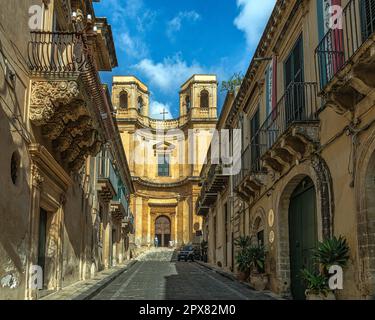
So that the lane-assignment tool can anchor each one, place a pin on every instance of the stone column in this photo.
(152, 229)
(138, 219)
(149, 227)
(186, 222)
(180, 222)
(173, 227)
(145, 214)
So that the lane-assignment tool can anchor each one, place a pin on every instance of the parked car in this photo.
(186, 253)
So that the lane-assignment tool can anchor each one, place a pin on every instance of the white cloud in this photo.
(156, 109)
(132, 7)
(122, 14)
(252, 18)
(146, 20)
(133, 46)
(175, 24)
(169, 74)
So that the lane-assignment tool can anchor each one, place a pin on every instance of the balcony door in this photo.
(294, 78)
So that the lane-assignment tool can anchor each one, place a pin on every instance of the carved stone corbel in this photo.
(47, 95)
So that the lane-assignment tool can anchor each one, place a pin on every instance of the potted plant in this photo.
(332, 251)
(242, 242)
(243, 264)
(258, 277)
(316, 286)
(242, 257)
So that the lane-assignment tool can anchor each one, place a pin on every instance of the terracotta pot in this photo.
(259, 281)
(242, 276)
(320, 296)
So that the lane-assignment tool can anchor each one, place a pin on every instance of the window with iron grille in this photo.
(368, 18)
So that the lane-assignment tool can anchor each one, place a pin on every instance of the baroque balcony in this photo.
(120, 204)
(252, 175)
(216, 180)
(65, 94)
(107, 179)
(345, 57)
(291, 130)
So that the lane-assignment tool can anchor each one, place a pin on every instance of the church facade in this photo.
(165, 157)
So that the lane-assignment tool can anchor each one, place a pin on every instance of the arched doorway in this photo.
(302, 233)
(163, 230)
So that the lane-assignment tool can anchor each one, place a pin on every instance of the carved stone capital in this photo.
(46, 95)
(36, 176)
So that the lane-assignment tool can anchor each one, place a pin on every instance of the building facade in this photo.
(306, 111)
(165, 157)
(64, 180)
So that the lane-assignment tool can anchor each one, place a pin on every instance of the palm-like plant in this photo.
(257, 255)
(242, 242)
(316, 283)
(243, 261)
(332, 251)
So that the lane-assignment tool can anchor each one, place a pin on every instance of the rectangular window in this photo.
(163, 165)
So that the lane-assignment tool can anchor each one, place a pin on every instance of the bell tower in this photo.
(130, 96)
(198, 97)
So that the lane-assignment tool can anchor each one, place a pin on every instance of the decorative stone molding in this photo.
(60, 109)
(44, 162)
(297, 142)
(46, 95)
(325, 191)
(37, 178)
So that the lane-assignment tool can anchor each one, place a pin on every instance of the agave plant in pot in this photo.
(242, 257)
(258, 277)
(243, 264)
(316, 286)
(330, 252)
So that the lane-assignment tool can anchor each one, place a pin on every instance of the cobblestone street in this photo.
(157, 276)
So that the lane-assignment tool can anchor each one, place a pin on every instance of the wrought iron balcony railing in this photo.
(107, 173)
(250, 161)
(297, 105)
(343, 40)
(57, 52)
(121, 198)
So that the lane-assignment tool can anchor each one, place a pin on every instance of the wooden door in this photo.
(302, 234)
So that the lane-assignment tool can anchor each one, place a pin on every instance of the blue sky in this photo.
(164, 42)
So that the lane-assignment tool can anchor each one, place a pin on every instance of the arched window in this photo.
(204, 99)
(187, 102)
(140, 104)
(124, 100)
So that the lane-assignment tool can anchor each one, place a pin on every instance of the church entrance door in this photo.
(163, 231)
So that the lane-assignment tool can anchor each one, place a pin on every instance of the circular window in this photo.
(15, 167)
